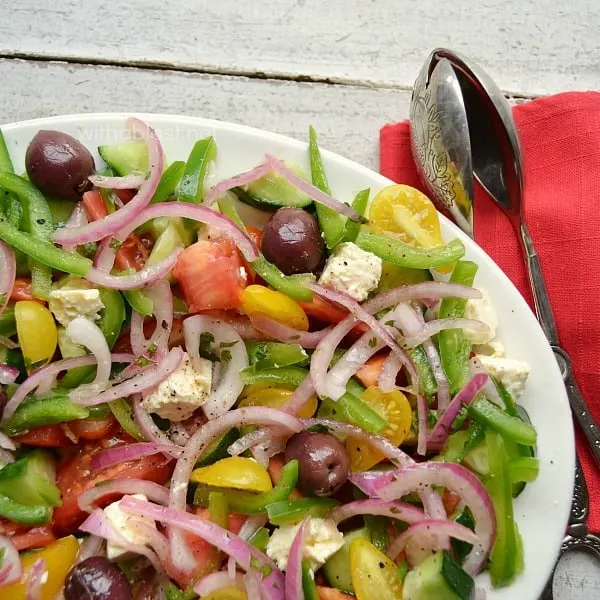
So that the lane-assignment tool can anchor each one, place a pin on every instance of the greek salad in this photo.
(245, 388)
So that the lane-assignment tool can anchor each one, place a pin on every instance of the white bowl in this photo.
(542, 509)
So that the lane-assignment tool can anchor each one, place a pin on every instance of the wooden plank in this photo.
(347, 118)
(528, 46)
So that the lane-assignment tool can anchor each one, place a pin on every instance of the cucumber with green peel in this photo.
(126, 158)
(217, 449)
(337, 568)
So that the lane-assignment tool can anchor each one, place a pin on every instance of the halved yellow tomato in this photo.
(392, 406)
(234, 472)
(374, 575)
(276, 398)
(258, 299)
(37, 333)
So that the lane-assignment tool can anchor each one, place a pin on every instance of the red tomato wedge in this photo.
(45, 436)
(22, 290)
(93, 429)
(75, 476)
(27, 538)
(369, 373)
(211, 275)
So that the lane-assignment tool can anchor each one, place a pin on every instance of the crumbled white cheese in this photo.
(133, 528)
(483, 310)
(322, 540)
(511, 373)
(185, 390)
(68, 304)
(351, 270)
(494, 349)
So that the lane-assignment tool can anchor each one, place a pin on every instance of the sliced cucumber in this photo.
(126, 158)
(438, 577)
(217, 449)
(337, 568)
(272, 192)
(266, 355)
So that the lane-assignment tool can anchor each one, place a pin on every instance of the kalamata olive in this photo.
(323, 462)
(59, 165)
(292, 241)
(3, 400)
(96, 578)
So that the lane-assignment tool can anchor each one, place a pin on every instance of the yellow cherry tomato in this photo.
(234, 472)
(276, 398)
(395, 408)
(37, 333)
(258, 299)
(227, 594)
(374, 575)
(59, 557)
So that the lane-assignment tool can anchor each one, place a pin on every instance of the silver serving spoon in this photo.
(497, 164)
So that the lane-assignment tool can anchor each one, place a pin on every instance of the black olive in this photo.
(96, 578)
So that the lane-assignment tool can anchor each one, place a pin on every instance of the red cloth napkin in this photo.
(560, 138)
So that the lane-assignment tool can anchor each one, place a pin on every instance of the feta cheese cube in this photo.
(351, 270)
(68, 304)
(511, 373)
(133, 528)
(322, 540)
(483, 310)
(493, 348)
(185, 390)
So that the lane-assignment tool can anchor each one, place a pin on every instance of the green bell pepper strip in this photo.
(168, 182)
(45, 411)
(123, 413)
(8, 324)
(350, 409)
(260, 539)
(218, 509)
(14, 211)
(287, 377)
(174, 593)
(246, 503)
(427, 383)
(23, 514)
(139, 301)
(331, 223)
(37, 220)
(377, 527)
(494, 418)
(455, 348)
(194, 172)
(5, 161)
(110, 323)
(504, 559)
(267, 355)
(394, 251)
(309, 587)
(293, 286)
(359, 204)
(42, 251)
(524, 469)
(290, 512)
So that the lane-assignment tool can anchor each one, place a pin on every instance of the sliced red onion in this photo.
(88, 334)
(6, 457)
(8, 272)
(301, 395)
(389, 373)
(203, 214)
(119, 454)
(236, 181)
(51, 370)
(78, 218)
(229, 386)
(258, 436)
(148, 379)
(218, 581)
(464, 397)
(489, 389)
(152, 491)
(422, 423)
(149, 428)
(116, 221)
(240, 323)
(288, 335)
(133, 181)
(138, 340)
(37, 577)
(432, 328)
(8, 343)
(310, 190)
(248, 557)
(104, 258)
(147, 275)
(8, 374)
(99, 524)
(10, 567)
(162, 299)
(458, 479)
(91, 546)
(250, 526)
(251, 415)
(362, 314)
(427, 534)
(6, 442)
(293, 572)
(400, 511)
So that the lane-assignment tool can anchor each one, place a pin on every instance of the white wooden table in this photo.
(344, 66)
